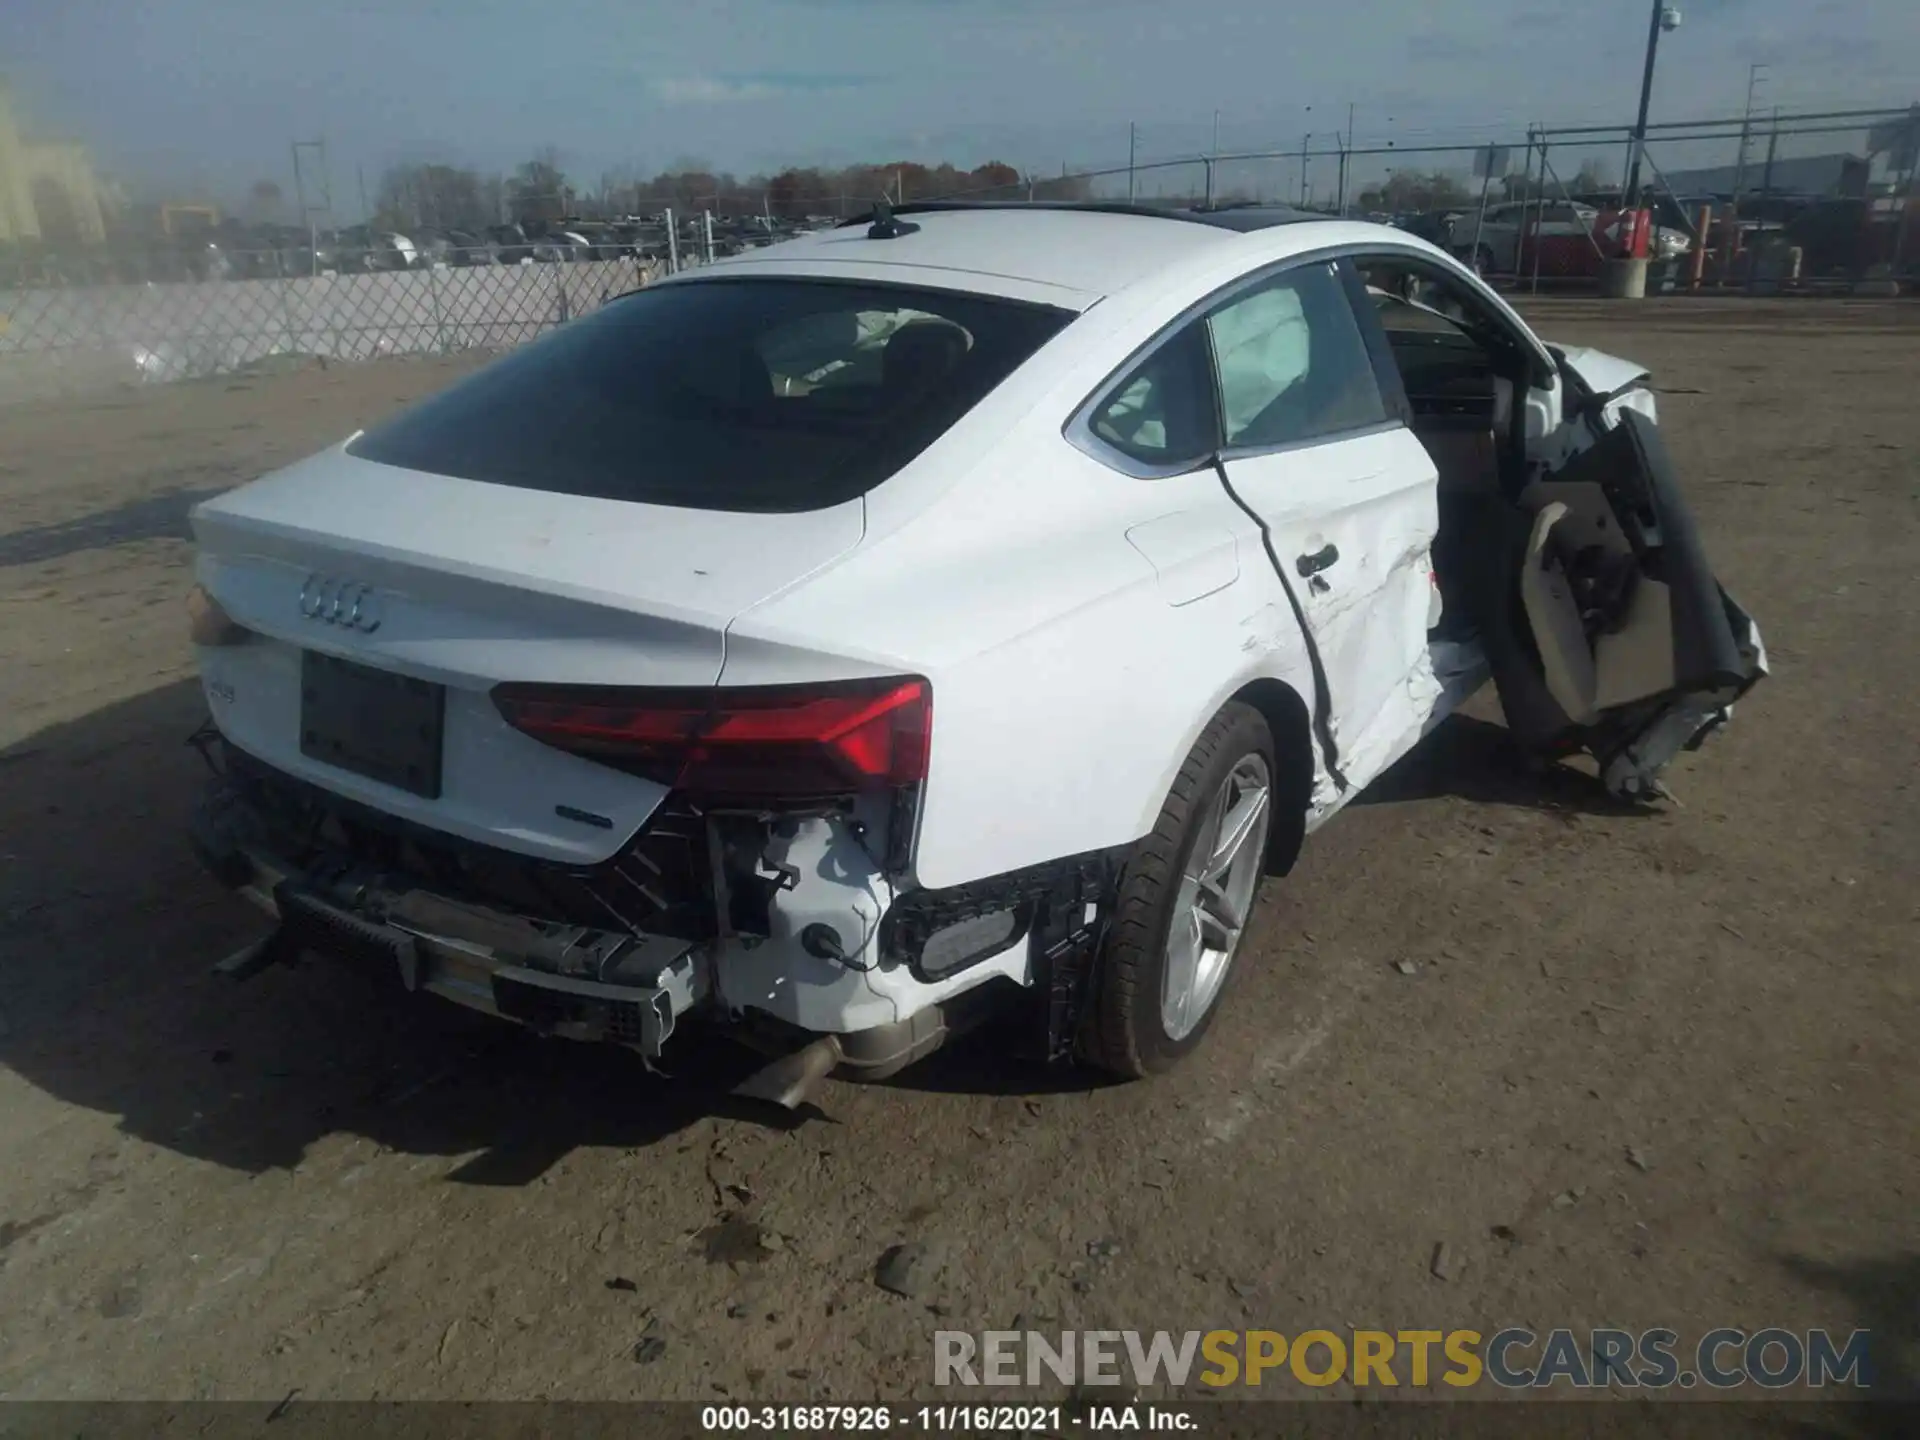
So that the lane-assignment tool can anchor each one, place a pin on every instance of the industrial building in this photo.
(48, 189)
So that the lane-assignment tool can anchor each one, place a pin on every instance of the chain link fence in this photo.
(1807, 201)
(57, 340)
(1812, 202)
(252, 310)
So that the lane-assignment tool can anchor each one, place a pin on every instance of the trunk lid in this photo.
(461, 585)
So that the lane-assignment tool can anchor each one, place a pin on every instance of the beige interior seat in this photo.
(1553, 616)
(1634, 661)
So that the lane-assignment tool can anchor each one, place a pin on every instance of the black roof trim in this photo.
(1248, 215)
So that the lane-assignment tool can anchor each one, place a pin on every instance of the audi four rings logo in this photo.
(340, 602)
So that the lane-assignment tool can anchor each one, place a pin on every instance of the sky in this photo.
(179, 96)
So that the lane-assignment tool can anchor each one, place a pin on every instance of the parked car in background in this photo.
(388, 250)
(558, 245)
(591, 239)
(470, 248)
(1502, 242)
(1491, 243)
(1433, 226)
(511, 246)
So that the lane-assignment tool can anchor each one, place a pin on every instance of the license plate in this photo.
(383, 726)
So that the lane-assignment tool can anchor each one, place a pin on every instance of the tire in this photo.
(1130, 1032)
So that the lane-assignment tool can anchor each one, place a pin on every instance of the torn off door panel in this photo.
(1624, 643)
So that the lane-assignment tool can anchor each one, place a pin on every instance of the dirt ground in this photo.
(219, 1191)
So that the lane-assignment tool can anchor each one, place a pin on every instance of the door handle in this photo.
(1321, 559)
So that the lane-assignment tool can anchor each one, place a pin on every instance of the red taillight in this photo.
(775, 743)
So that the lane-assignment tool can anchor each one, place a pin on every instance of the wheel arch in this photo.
(1289, 723)
(1288, 718)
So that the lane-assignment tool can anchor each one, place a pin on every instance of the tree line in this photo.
(540, 191)
(1417, 190)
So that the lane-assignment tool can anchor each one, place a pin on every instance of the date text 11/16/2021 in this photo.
(941, 1419)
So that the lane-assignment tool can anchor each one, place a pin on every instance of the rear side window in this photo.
(1163, 413)
(756, 394)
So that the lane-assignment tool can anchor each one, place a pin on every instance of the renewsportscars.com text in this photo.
(1512, 1359)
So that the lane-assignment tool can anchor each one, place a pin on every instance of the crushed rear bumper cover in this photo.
(567, 981)
(618, 953)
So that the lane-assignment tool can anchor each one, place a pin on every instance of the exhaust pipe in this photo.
(793, 1080)
(249, 960)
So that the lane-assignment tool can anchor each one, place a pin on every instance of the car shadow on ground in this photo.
(109, 931)
(1002, 1057)
(1885, 1292)
(1475, 759)
(108, 934)
(154, 517)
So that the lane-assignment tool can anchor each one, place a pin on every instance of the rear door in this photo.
(1346, 497)
(1585, 580)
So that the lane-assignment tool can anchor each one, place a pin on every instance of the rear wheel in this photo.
(1184, 902)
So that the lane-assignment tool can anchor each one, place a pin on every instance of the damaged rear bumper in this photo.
(924, 970)
(581, 985)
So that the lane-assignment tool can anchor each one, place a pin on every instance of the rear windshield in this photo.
(752, 394)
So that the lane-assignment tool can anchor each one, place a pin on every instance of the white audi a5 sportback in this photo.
(965, 602)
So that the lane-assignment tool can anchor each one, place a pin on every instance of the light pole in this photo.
(1665, 17)
(1213, 158)
(1754, 77)
(1308, 110)
(1345, 161)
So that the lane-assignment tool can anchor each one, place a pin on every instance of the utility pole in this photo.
(1345, 161)
(1663, 18)
(310, 211)
(1773, 144)
(1766, 186)
(1303, 168)
(1213, 157)
(1540, 212)
(1904, 199)
(1746, 130)
(1132, 138)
